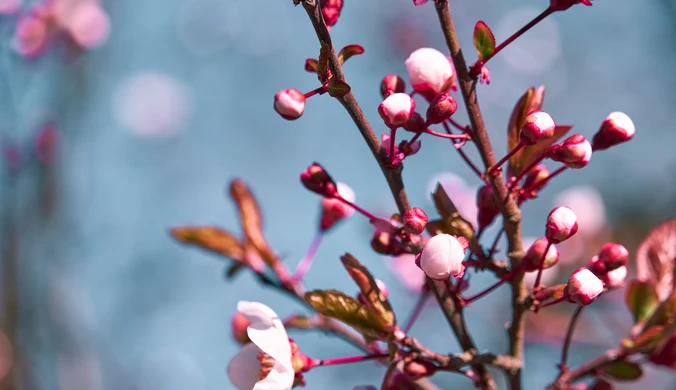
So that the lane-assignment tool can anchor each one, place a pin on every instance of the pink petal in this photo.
(88, 24)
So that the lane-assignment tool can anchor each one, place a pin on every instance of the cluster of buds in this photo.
(610, 264)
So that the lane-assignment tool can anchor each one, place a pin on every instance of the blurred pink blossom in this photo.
(462, 195)
(410, 275)
(31, 34)
(86, 22)
(8, 7)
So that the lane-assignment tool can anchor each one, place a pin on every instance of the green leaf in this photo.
(311, 65)
(649, 337)
(349, 51)
(212, 239)
(323, 62)
(484, 40)
(453, 221)
(641, 299)
(369, 288)
(343, 307)
(622, 371)
(298, 322)
(338, 88)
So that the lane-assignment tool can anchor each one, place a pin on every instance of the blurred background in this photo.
(128, 118)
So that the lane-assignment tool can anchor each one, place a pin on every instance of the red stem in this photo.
(321, 90)
(415, 137)
(554, 302)
(306, 261)
(522, 30)
(359, 209)
(464, 155)
(424, 295)
(542, 264)
(518, 147)
(351, 359)
(448, 136)
(457, 125)
(502, 280)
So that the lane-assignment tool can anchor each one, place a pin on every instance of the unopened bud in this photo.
(331, 11)
(415, 220)
(583, 286)
(531, 260)
(538, 125)
(562, 5)
(390, 84)
(612, 256)
(418, 369)
(408, 148)
(334, 209)
(535, 179)
(487, 205)
(441, 108)
(616, 277)
(388, 244)
(575, 152)
(415, 124)
(317, 180)
(428, 71)
(615, 129)
(442, 257)
(239, 328)
(396, 109)
(561, 225)
(290, 103)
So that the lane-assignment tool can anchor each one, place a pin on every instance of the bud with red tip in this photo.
(334, 210)
(531, 260)
(487, 205)
(583, 286)
(317, 180)
(441, 108)
(561, 225)
(665, 354)
(538, 125)
(331, 11)
(611, 256)
(575, 152)
(615, 129)
(390, 84)
(239, 328)
(415, 124)
(415, 220)
(290, 103)
(442, 257)
(396, 109)
(428, 71)
(562, 5)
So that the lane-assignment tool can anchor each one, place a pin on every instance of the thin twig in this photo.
(569, 338)
(510, 211)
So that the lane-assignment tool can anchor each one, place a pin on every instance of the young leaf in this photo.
(343, 307)
(454, 223)
(212, 239)
(338, 88)
(665, 312)
(530, 101)
(655, 259)
(251, 220)
(349, 51)
(641, 299)
(298, 322)
(323, 62)
(368, 287)
(484, 40)
(622, 371)
(311, 65)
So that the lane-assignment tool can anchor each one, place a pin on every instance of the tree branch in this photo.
(509, 210)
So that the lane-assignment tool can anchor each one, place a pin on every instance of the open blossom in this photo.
(334, 210)
(538, 125)
(290, 103)
(442, 257)
(428, 71)
(615, 129)
(396, 109)
(265, 363)
(561, 224)
(583, 286)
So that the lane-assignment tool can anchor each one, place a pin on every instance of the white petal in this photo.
(267, 331)
(280, 378)
(244, 368)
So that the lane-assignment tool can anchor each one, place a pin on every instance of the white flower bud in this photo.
(396, 109)
(442, 257)
(428, 70)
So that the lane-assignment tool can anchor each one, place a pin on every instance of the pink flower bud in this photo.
(387, 244)
(531, 260)
(290, 103)
(334, 210)
(561, 225)
(615, 129)
(317, 180)
(575, 152)
(331, 11)
(415, 124)
(239, 328)
(535, 180)
(428, 71)
(418, 369)
(415, 220)
(487, 205)
(612, 256)
(31, 34)
(616, 277)
(583, 286)
(441, 108)
(562, 5)
(442, 257)
(665, 354)
(396, 109)
(538, 125)
(418, 3)
(390, 84)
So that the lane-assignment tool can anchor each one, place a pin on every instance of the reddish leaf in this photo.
(311, 65)
(484, 40)
(338, 88)
(212, 239)
(349, 51)
(655, 259)
(526, 156)
(530, 101)
(323, 62)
